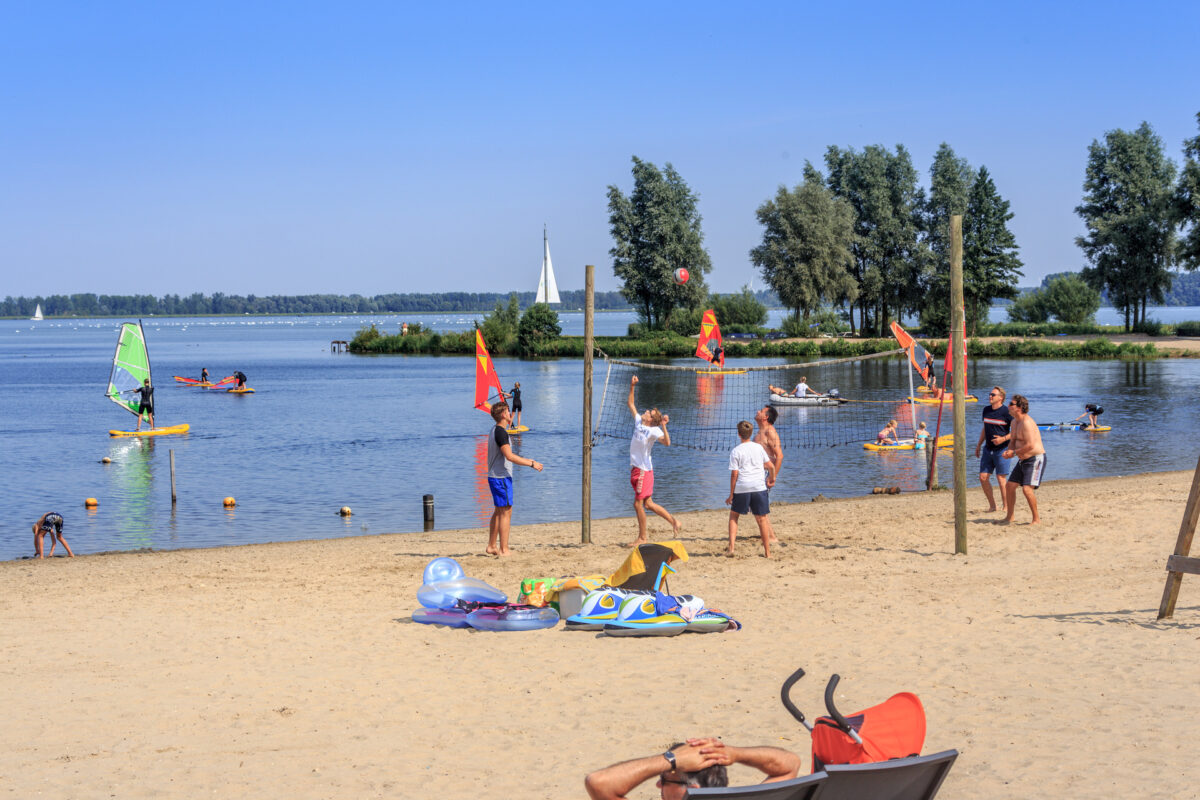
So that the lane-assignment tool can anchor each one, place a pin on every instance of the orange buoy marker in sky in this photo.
(229, 502)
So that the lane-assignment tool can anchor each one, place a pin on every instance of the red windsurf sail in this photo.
(485, 374)
(948, 365)
(917, 354)
(710, 346)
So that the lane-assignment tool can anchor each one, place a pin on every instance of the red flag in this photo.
(948, 366)
(710, 346)
(485, 374)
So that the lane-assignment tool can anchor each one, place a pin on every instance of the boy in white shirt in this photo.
(748, 467)
(649, 426)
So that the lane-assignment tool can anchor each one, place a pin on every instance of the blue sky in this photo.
(371, 147)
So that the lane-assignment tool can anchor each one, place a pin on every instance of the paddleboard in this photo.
(243, 390)
(518, 429)
(153, 431)
(924, 389)
(1097, 429)
(908, 444)
(1060, 426)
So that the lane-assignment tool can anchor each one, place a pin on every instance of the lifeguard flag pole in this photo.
(959, 345)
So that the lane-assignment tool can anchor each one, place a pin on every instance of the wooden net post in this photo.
(1179, 562)
(958, 337)
(589, 310)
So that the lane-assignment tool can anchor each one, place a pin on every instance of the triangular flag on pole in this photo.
(948, 365)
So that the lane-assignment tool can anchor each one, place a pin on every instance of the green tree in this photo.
(656, 230)
(890, 256)
(539, 323)
(742, 308)
(500, 327)
(805, 255)
(1187, 203)
(1029, 307)
(1068, 298)
(950, 182)
(991, 267)
(1130, 211)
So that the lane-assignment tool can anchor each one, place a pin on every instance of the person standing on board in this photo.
(931, 376)
(993, 438)
(768, 437)
(146, 404)
(499, 478)
(241, 379)
(649, 426)
(1026, 446)
(515, 394)
(750, 469)
(204, 374)
(52, 524)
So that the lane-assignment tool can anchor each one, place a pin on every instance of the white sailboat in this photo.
(547, 291)
(37, 313)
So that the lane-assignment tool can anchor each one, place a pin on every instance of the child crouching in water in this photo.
(888, 434)
(748, 467)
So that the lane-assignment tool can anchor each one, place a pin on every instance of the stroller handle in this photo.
(787, 700)
(836, 715)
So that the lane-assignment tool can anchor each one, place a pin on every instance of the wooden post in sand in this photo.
(172, 452)
(589, 310)
(957, 337)
(1179, 563)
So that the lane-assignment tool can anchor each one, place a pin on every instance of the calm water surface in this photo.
(377, 433)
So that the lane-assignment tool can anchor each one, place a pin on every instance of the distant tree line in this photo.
(105, 305)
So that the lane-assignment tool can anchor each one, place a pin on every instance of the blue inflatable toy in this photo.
(450, 617)
(512, 619)
(446, 594)
(442, 569)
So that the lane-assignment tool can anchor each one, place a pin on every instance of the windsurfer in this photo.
(241, 379)
(146, 404)
(499, 478)
(649, 426)
(515, 394)
(204, 374)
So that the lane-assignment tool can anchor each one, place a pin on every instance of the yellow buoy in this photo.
(229, 502)
(91, 502)
(106, 460)
(345, 512)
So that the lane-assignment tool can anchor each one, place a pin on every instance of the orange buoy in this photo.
(345, 512)
(91, 502)
(106, 460)
(229, 502)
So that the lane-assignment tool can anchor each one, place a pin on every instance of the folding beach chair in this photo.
(914, 778)
(805, 788)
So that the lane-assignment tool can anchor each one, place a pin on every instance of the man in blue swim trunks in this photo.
(993, 439)
(696, 764)
(499, 478)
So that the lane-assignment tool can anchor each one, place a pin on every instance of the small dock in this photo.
(338, 346)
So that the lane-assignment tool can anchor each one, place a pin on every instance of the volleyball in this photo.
(681, 276)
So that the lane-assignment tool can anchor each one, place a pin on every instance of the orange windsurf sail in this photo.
(948, 366)
(710, 347)
(917, 354)
(485, 374)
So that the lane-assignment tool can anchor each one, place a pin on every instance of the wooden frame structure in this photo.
(1180, 562)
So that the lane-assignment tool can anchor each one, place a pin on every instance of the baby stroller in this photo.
(893, 729)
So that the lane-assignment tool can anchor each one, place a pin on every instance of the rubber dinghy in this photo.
(807, 400)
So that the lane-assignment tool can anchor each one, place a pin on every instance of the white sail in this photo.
(547, 291)
(37, 312)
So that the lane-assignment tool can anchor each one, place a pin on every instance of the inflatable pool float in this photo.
(512, 619)
(450, 617)
(908, 444)
(667, 625)
(933, 401)
(446, 594)
(654, 615)
(599, 606)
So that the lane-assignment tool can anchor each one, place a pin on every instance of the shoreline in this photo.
(294, 669)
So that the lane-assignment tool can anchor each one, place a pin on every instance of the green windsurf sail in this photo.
(131, 366)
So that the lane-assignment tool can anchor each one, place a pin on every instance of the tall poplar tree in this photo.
(656, 230)
(1130, 210)
(1187, 204)
(950, 181)
(889, 254)
(805, 255)
(991, 267)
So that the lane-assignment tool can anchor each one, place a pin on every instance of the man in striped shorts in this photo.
(1026, 445)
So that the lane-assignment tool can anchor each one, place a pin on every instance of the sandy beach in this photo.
(293, 670)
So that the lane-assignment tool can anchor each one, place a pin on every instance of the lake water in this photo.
(377, 433)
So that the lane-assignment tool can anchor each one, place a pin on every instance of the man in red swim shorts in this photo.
(649, 426)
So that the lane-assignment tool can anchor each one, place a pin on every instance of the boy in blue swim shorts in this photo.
(748, 468)
(499, 478)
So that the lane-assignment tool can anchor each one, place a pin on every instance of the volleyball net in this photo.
(704, 404)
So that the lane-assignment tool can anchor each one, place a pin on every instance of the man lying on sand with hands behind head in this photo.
(700, 763)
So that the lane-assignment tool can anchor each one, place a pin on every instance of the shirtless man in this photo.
(49, 524)
(802, 389)
(1026, 445)
(768, 437)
